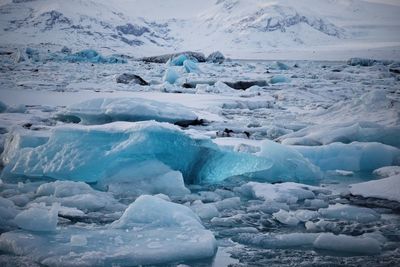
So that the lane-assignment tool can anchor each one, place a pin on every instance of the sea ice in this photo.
(351, 213)
(386, 188)
(352, 245)
(105, 110)
(38, 218)
(151, 231)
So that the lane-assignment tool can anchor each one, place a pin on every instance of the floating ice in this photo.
(345, 133)
(352, 213)
(286, 217)
(386, 188)
(8, 211)
(3, 107)
(151, 231)
(96, 153)
(171, 75)
(348, 244)
(355, 156)
(279, 79)
(204, 211)
(292, 240)
(387, 171)
(38, 218)
(284, 192)
(105, 110)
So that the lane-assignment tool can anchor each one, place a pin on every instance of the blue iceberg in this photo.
(118, 150)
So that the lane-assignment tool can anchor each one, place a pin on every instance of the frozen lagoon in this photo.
(254, 223)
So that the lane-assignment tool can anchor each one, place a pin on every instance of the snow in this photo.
(105, 110)
(386, 188)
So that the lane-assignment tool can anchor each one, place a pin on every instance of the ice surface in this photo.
(356, 156)
(347, 212)
(204, 211)
(282, 241)
(386, 188)
(286, 217)
(345, 133)
(348, 244)
(38, 218)
(95, 153)
(105, 110)
(150, 226)
(92, 56)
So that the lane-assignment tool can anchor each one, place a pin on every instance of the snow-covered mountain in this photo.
(239, 28)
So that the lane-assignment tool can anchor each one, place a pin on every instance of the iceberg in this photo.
(38, 218)
(215, 57)
(150, 226)
(96, 153)
(356, 156)
(178, 60)
(350, 213)
(105, 110)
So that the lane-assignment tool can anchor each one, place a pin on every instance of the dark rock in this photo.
(190, 123)
(164, 58)
(131, 29)
(397, 71)
(128, 78)
(216, 57)
(243, 85)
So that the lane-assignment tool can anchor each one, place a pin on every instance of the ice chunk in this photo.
(228, 203)
(148, 177)
(386, 188)
(171, 75)
(348, 244)
(129, 78)
(95, 153)
(345, 133)
(284, 192)
(387, 171)
(151, 231)
(288, 164)
(281, 66)
(306, 215)
(105, 110)
(76, 195)
(8, 211)
(204, 211)
(38, 218)
(351, 213)
(190, 66)
(279, 79)
(286, 217)
(282, 241)
(351, 157)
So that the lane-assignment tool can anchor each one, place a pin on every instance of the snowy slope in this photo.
(336, 29)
